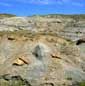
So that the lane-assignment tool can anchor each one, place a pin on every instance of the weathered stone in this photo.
(42, 51)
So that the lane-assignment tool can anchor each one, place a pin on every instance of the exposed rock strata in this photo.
(42, 51)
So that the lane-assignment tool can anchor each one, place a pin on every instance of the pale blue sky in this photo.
(36, 7)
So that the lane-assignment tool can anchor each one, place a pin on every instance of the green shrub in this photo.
(69, 78)
(82, 83)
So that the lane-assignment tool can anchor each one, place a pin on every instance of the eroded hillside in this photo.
(42, 51)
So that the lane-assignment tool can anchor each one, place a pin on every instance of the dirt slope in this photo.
(42, 51)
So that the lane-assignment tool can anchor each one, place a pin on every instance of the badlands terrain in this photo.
(41, 50)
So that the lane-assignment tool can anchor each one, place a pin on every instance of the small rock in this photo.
(20, 61)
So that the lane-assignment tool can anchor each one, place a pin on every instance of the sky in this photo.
(42, 7)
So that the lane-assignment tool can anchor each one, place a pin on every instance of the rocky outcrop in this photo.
(41, 51)
(70, 27)
(39, 61)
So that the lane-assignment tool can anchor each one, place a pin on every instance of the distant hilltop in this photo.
(81, 16)
(68, 26)
(6, 15)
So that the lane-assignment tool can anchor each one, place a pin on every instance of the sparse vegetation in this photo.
(78, 32)
(6, 15)
(82, 83)
(69, 78)
(74, 16)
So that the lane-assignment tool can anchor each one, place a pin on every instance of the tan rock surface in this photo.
(42, 51)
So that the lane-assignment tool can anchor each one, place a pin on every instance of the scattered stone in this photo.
(40, 51)
(56, 56)
(47, 84)
(20, 62)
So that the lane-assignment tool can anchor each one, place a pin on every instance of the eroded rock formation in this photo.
(41, 51)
